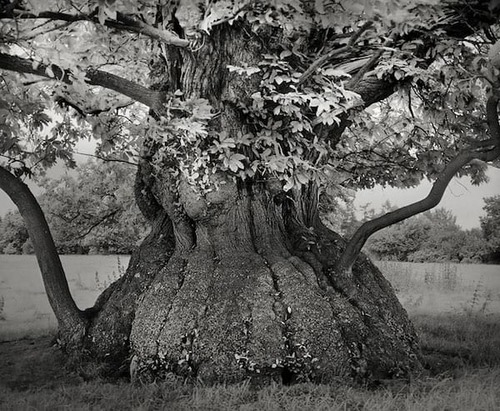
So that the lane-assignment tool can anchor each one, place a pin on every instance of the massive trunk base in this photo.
(245, 301)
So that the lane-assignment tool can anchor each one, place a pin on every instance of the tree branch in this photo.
(123, 22)
(487, 150)
(95, 224)
(136, 92)
(369, 64)
(108, 159)
(66, 103)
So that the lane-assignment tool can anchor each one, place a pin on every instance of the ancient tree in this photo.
(240, 114)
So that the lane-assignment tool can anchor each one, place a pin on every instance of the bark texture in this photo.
(251, 298)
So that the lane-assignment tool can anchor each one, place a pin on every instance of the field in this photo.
(455, 308)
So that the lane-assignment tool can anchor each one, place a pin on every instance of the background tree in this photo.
(94, 210)
(490, 225)
(13, 234)
(433, 236)
(253, 107)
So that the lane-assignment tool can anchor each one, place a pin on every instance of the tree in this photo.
(490, 225)
(432, 236)
(13, 234)
(473, 248)
(94, 210)
(91, 209)
(444, 240)
(253, 107)
(401, 241)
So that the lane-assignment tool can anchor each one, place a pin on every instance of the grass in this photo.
(460, 354)
(473, 390)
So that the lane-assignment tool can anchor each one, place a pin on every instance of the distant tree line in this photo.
(433, 236)
(89, 211)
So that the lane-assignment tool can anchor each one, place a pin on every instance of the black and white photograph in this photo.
(250, 205)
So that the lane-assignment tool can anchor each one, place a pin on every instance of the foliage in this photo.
(13, 234)
(89, 210)
(95, 210)
(431, 236)
(293, 111)
(490, 224)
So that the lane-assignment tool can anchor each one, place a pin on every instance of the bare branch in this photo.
(108, 159)
(96, 224)
(369, 64)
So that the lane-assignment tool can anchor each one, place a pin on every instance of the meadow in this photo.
(455, 309)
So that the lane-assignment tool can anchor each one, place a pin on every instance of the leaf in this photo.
(49, 72)
(335, 73)
(234, 162)
(284, 54)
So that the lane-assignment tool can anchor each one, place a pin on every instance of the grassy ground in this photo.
(461, 356)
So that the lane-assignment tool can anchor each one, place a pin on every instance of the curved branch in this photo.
(486, 151)
(71, 320)
(136, 92)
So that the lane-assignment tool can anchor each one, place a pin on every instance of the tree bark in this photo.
(71, 320)
(249, 298)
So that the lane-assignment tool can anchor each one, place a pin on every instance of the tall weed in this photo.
(110, 278)
(2, 307)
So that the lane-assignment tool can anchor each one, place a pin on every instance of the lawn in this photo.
(455, 310)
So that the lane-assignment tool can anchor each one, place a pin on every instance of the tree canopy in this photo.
(431, 55)
(94, 211)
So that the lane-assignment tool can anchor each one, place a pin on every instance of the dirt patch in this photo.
(34, 363)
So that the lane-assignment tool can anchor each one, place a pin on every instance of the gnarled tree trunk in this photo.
(240, 281)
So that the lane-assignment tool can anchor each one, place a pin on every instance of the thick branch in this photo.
(141, 94)
(122, 22)
(72, 323)
(486, 151)
(362, 234)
